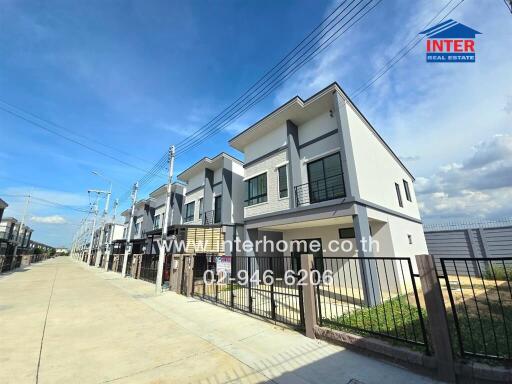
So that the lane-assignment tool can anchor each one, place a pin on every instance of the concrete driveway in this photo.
(64, 322)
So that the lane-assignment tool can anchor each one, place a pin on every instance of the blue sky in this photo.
(138, 76)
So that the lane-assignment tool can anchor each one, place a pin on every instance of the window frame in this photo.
(407, 190)
(157, 221)
(201, 208)
(279, 190)
(260, 198)
(217, 213)
(189, 218)
(399, 195)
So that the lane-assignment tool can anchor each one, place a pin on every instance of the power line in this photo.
(313, 44)
(45, 201)
(52, 123)
(35, 123)
(309, 54)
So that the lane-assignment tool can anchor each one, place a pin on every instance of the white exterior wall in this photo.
(265, 144)
(273, 203)
(317, 126)
(217, 175)
(377, 170)
(238, 192)
(326, 234)
(195, 181)
(190, 198)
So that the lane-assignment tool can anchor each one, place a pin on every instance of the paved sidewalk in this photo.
(64, 322)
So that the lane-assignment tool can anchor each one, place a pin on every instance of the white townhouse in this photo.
(155, 220)
(214, 194)
(316, 169)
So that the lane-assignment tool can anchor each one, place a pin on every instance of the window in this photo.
(399, 195)
(137, 228)
(201, 208)
(217, 215)
(347, 233)
(257, 189)
(409, 238)
(189, 211)
(156, 225)
(407, 191)
(325, 179)
(283, 181)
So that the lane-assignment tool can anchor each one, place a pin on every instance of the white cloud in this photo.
(55, 219)
(480, 186)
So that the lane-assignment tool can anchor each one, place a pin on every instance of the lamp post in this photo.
(104, 218)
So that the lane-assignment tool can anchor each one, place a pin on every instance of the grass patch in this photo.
(503, 273)
(486, 332)
(397, 318)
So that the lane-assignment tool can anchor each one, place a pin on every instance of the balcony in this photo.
(315, 191)
(211, 217)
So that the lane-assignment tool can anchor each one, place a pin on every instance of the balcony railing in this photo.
(211, 217)
(315, 191)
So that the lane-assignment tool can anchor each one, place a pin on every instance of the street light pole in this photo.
(129, 231)
(111, 235)
(161, 254)
(102, 230)
(93, 227)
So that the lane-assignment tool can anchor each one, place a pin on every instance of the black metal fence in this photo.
(148, 268)
(478, 298)
(371, 296)
(119, 267)
(265, 286)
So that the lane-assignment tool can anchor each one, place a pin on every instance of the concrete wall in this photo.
(470, 243)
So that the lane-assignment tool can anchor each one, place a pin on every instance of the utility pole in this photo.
(127, 247)
(161, 254)
(20, 228)
(102, 230)
(95, 207)
(111, 235)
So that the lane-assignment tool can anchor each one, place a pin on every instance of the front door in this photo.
(317, 254)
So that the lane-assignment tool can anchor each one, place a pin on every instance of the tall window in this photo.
(157, 222)
(217, 209)
(257, 189)
(283, 181)
(201, 208)
(189, 211)
(407, 191)
(399, 195)
(326, 179)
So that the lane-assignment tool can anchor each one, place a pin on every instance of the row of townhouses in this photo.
(312, 169)
(16, 245)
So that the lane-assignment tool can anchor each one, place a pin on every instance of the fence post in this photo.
(437, 319)
(189, 266)
(308, 295)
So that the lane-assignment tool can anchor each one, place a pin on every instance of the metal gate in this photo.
(478, 303)
(257, 285)
(120, 264)
(148, 268)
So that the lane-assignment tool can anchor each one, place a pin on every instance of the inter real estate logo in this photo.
(450, 42)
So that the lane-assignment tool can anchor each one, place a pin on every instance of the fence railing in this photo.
(319, 190)
(478, 297)
(371, 296)
(256, 285)
(148, 267)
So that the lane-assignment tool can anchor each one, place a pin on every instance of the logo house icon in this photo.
(450, 42)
